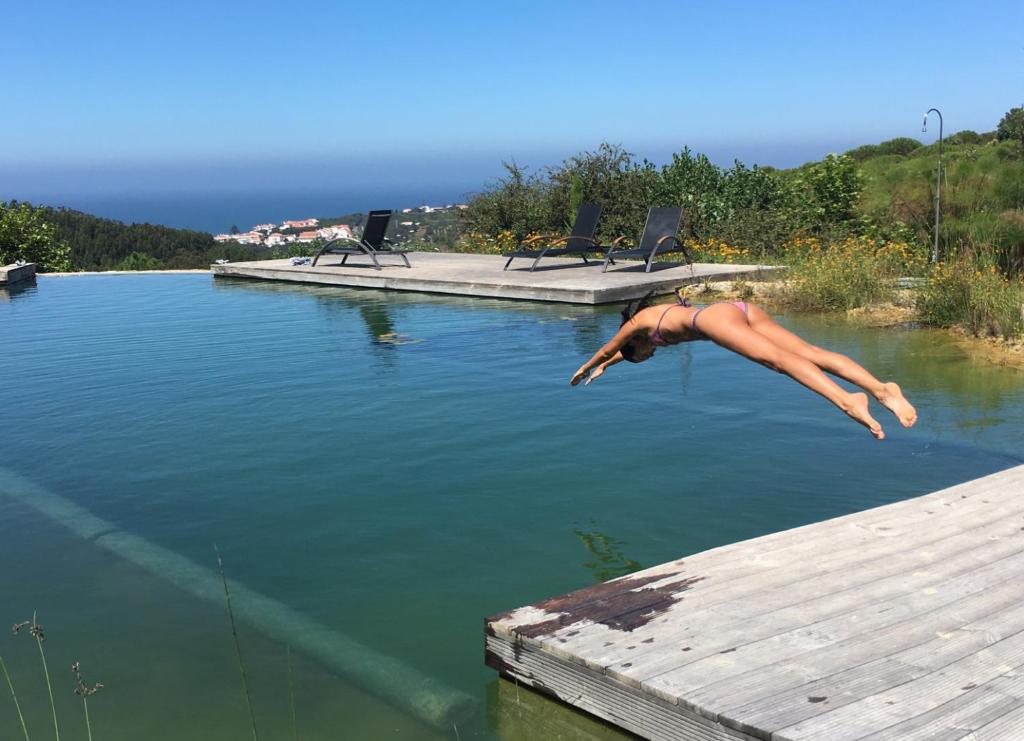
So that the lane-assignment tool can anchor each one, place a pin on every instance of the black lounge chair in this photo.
(659, 237)
(372, 243)
(580, 242)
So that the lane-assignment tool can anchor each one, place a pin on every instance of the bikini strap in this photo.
(657, 328)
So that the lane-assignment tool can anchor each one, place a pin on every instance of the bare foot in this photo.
(858, 409)
(892, 398)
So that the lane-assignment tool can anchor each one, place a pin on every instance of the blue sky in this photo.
(192, 95)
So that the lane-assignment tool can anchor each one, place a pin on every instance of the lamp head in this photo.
(924, 123)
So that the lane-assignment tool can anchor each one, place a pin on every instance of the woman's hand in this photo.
(594, 374)
(578, 376)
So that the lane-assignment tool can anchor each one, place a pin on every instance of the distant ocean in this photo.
(217, 212)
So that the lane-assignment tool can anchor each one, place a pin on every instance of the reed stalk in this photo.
(14, 696)
(238, 646)
(291, 693)
(88, 725)
(37, 633)
(83, 690)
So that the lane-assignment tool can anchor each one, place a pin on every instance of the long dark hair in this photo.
(628, 312)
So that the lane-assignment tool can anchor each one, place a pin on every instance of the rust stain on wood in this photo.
(623, 604)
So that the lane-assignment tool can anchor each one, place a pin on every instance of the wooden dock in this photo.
(901, 622)
(556, 279)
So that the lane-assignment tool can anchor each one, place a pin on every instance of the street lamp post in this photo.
(938, 180)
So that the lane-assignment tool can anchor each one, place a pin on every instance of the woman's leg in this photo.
(888, 394)
(726, 325)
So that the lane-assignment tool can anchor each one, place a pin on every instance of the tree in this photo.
(902, 145)
(235, 229)
(1011, 127)
(835, 184)
(139, 261)
(515, 204)
(26, 235)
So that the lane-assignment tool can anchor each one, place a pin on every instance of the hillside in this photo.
(982, 195)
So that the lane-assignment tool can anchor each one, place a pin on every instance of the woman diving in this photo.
(748, 331)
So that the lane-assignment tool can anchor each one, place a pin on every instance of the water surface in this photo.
(398, 466)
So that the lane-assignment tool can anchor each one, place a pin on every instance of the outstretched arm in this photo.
(599, 370)
(609, 354)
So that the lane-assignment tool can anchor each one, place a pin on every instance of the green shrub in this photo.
(972, 293)
(26, 235)
(139, 261)
(853, 272)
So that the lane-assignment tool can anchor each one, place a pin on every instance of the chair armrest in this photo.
(617, 240)
(536, 238)
(666, 238)
(343, 239)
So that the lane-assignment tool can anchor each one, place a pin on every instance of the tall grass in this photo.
(83, 690)
(970, 291)
(849, 273)
(14, 696)
(36, 631)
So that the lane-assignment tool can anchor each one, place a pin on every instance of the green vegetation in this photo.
(26, 234)
(740, 204)
(105, 244)
(1011, 127)
(848, 226)
(850, 273)
(869, 214)
(972, 292)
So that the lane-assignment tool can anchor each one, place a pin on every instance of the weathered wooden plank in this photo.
(955, 720)
(782, 708)
(900, 622)
(1008, 728)
(757, 572)
(975, 598)
(850, 615)
(904, 701)
(786, 607)
(636, 712)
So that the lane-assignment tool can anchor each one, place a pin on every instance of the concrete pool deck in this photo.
(12, 274)
(899, 623)
(556, 279)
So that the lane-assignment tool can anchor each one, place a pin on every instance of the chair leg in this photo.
(650, 259)
(406, 260)
(607, 259)
(344, 259)
(509, 262)
(542, 253)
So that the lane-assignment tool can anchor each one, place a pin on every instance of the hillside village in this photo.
(310, 230)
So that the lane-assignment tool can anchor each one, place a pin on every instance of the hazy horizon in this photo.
(119, 101)
(216, 194)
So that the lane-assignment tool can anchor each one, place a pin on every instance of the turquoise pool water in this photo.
(395, 467)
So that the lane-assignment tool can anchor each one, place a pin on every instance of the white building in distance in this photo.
(300, 224)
